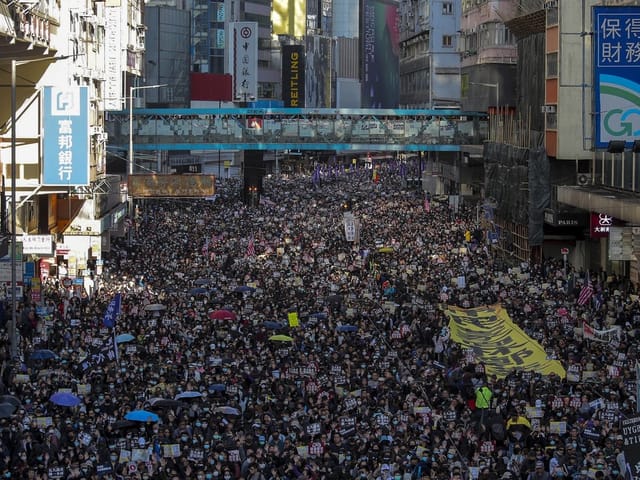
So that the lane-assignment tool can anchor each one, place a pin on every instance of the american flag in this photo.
(586, 293)
(251, 248)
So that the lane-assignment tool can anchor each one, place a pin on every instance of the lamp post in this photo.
(130, 154)
(13, 334)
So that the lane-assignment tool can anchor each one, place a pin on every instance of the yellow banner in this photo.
(497, 342)
(294, 321)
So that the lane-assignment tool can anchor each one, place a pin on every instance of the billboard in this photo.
(66, 154)
(319, 65)
(380, 54)
(288, 17)
(293, 77)
(154, 185)
(616, 74)
(244, 36)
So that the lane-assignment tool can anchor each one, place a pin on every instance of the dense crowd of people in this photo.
(257, 343)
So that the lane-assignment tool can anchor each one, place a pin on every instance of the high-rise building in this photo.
(429, 53)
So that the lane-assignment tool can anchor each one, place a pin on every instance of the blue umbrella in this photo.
(141, 416)
(203, 281)
(198, 291)
(65, 399)
(272, 325)
(124, 338)
(319, 315)
(217, 387)
(244, 289)
(347, 328)
(43, 355)
(228, 410)
(187, 394)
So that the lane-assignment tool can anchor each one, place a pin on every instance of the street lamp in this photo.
(14, 282)
(131, 160)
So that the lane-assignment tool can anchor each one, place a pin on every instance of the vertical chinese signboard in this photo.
(616, 74)
(66, 136)
(245, 59)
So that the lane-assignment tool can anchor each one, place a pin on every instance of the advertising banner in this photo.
(380, 54)
(153, 185)
(293, 78)
(616, 69)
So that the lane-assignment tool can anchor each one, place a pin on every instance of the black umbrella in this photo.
(164, 403)
(120, 424)
(7, 409)
(13, 400)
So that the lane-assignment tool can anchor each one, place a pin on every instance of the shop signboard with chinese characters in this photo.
(601, 224)
(66, 136)
(37, 245)
(616, 66)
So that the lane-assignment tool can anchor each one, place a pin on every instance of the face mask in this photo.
(184, 438)
(227, 476)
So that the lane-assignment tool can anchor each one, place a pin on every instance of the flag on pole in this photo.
(587, 292)
(113, 310)
(251, 248)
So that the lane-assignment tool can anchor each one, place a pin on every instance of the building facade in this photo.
(430, 59)
(73, 59)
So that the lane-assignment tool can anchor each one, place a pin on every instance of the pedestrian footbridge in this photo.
(295, 129)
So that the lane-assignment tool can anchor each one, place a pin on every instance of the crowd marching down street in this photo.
(255, 342)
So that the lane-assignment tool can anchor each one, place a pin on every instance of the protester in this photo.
(260, 344)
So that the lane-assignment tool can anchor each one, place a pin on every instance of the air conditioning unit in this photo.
(548, 109)
(104, 136)
(549, 4)
(95, 130)
(583, 179)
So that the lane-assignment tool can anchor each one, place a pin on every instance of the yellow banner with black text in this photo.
(497, 342)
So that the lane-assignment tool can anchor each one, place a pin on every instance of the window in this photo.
(447, 8)
(552, 16)
(552, 65)
(552, 121)
(447, 41)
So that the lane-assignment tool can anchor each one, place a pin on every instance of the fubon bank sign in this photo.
(616, 75)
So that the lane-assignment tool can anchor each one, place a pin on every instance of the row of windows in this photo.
(488, 35)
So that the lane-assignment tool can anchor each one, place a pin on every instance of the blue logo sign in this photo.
(616, 74)
(66, 136)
